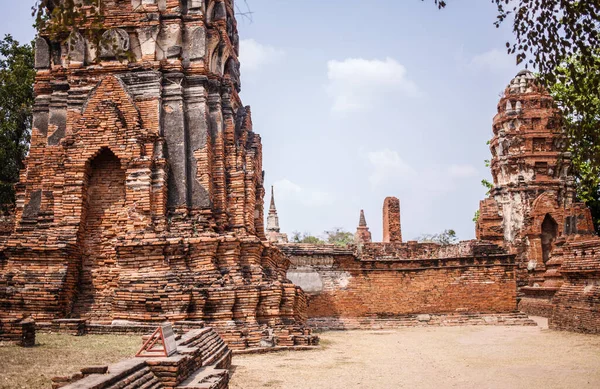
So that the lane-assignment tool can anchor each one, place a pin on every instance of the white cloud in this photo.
(387, 165)
(493, 60)
(287, 190)
(254, 55)
(462, 171)
(356, 83)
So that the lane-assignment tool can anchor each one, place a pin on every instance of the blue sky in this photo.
(357, 100)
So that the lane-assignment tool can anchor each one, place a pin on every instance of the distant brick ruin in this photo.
(536, 246)
(142, 195)
(391, 283)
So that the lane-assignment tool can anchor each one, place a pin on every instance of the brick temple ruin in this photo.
(142, 202)
(142, 196)
(536, 248)
(395, 283)
(532, 211)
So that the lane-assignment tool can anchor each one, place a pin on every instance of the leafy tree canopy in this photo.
(16, 101)
(336, 236)
(444, 238)
(305, 237)
(339, 237)
(581, 105)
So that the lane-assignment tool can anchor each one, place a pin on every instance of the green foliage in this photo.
(487, 185)
(446, 237)
(16, 101)
(60, 20)
(339, 237)
(305, 237)
(476, 216)
(580, 104)
(336, 236)
(561, 40)
(549, 32)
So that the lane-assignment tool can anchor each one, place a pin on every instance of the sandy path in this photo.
(445, 357)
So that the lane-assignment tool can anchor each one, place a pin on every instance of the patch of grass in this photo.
(60, 355)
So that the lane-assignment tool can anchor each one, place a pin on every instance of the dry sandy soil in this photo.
(56, 355)
(445, 357)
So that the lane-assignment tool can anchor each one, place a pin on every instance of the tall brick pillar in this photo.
(392, 232)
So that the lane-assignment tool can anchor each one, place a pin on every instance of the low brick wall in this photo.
(577, 302)
(341, 283)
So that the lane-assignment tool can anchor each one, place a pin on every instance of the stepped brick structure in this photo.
(273, 231)
(202, 361)
(387, 284)
(532, 211)
(142, 196)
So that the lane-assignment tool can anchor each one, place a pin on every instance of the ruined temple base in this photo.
(275, 338)
(423, 320)
(202, 361)
(537, 301)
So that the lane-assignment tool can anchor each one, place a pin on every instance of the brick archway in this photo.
(103, 220)
(548, 236)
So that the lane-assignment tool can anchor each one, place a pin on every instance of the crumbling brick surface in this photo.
(531, 211)
(532, 178)
(392, 232)
(577, 301)
(142, 194)
(202, 360)
(390, 280)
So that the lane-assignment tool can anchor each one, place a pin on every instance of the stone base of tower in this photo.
(236, 286)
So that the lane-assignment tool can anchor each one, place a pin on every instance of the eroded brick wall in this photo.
(576, 304)
(389, 280)
(105, 217)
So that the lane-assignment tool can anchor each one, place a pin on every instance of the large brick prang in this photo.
(142, 195)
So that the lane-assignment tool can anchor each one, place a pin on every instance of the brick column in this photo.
(392, 232)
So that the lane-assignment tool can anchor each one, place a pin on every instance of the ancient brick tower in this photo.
(362, 234)
(142, 196)
(531, 201)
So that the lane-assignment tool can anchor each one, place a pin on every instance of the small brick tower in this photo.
(362, 235)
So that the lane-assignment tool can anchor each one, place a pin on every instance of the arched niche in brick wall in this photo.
(549, 234)
(104, 218)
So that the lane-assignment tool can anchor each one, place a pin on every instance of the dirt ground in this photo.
(56, 355)
(436, 357)
(444, 357)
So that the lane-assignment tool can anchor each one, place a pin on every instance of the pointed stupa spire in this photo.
(272, 219)
(272, 207)
(273, 230)
(362, 234)
(362, 221)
